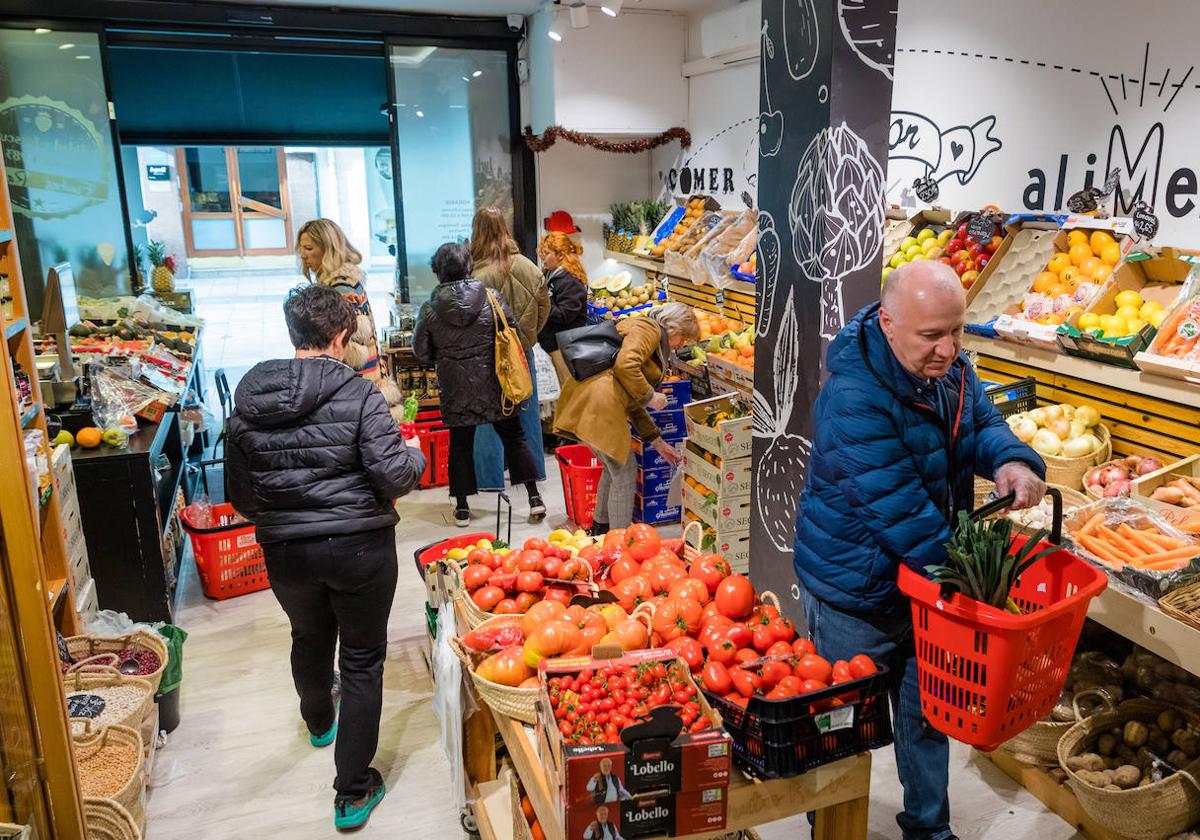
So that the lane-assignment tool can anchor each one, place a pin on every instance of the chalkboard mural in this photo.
(826, 90)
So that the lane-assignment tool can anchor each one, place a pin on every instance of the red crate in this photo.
(581, 478)
(228, 557)
(435, 443)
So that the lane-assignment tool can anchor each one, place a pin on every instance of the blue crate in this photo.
(678, 393)
(654, 482)
(647, 458)
(655, 511)
(671, 424)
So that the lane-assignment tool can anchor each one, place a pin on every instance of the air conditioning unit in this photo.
(732, 32)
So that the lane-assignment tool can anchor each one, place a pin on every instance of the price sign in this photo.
(85, 706)
(720, 296)
(927, 189)
(1083, 201)
(839, 718)
(1145, 222)
(981, 228)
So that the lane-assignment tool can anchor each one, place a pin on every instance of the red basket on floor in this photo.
(228, 557)
(437, 551)
(435, 443)
(580, 469)
(988, 674)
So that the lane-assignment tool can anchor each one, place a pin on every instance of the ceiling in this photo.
(493, 8)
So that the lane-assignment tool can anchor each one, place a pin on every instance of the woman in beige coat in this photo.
(598, 410)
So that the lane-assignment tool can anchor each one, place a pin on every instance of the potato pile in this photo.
(694, 209)
(1138, 753)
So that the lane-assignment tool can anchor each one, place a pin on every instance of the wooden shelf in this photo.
(1058, 798)
(1159, 387)
(1146, 625)
(644, 263)
(30, 415)
(14, 329)
(55, 590)
(44, 498)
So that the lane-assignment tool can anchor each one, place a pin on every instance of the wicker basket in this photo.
(1069, 472)
(517, 703)
(1038, 745)
(1092, 494)
(1142, 813)
(689, 553)
(85, 647)
(106, 820)
(89, 744)
(81, 681)
(476, 616)
(1183, 604)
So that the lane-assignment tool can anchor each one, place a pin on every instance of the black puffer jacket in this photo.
(457, 334)
(312, 451)
(568, 307)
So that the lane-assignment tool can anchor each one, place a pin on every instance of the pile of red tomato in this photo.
(509, 584)
(594, 706)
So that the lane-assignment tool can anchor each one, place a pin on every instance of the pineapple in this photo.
(162, 279)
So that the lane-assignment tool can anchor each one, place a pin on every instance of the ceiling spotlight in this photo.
(476, 74)
(579, 15)
(82, 57)
(465, 79)
(612, 8)
(420, 113)
(41, 30)
(554, 35)
(66, 46)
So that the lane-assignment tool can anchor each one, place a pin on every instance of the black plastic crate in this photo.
(778, 738)
(1014, 397)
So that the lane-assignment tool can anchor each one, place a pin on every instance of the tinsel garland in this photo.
(543, 141)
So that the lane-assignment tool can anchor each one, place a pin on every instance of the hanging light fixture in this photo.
(612, 8)
(579, 13)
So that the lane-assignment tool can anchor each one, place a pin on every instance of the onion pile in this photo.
(1064, 430)
(1116, 477)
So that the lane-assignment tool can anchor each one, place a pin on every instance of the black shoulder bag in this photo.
(589, 350)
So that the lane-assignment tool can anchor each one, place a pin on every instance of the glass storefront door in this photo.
(453, 131)
(234, 200)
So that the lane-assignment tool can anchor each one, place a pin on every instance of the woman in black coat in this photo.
(456, 333)
(567, 282)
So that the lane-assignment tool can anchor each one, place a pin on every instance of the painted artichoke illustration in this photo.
(836, 211)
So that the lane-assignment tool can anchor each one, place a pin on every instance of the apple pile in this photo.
(968, 257)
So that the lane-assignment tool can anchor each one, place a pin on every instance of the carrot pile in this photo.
(1148, 549)
(1170, 342)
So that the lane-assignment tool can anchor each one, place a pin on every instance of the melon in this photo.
(599, 284)
(620, 281)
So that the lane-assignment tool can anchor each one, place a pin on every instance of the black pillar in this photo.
(826, 92)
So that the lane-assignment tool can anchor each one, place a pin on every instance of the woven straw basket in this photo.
(1069, 472)
(106, 820)
(80, 681)
(85, 647)
(517, 703)
(1183, 604)
(1142, 813)
(476, 616)
(1038, 745)
(1071, 497)
(129, 796)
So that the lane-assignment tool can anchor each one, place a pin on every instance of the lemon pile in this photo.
(1132, 313)
(926, 245)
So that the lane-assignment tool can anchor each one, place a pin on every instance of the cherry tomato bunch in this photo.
(595, 705)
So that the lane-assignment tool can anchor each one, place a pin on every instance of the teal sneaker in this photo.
(326, 739)
(351, 814)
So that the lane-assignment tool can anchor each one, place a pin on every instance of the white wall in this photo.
(1071, 91)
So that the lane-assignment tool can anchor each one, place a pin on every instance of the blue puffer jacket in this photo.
(883, 485)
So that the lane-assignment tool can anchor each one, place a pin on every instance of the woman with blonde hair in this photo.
(500, 266)
(328, 258)
(567, 282)
(598, 410)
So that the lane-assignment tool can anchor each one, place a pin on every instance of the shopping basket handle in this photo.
(1005, 501)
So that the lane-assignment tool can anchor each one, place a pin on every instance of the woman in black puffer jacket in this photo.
(315, 460)
(456, 333)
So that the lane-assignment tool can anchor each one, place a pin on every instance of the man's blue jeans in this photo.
(489, 452)
(922, 753)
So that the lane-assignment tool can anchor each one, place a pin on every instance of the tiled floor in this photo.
(243, 315)
(239, 767)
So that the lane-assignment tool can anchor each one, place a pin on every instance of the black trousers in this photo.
(521, 466)
(333, 587)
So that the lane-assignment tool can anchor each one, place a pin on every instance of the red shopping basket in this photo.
(435, 443)
(228, 557)
(987, 674)
(580, 471)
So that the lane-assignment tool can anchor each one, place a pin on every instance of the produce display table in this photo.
(839, 792)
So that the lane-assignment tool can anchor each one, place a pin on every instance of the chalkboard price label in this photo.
(1083, 201)
(85, 706)
(981, 228)
(1145, 222)
(927, 189)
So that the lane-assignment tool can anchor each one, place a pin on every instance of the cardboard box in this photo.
(740, 377)
(654, 482)
(730, 440)
(655, 814)
(723, 516)
(729, 479)
(1157, 277)
(1028, 246)
(1186, 367)
(1144, 486)
(670, 424)
(734, 546)
(654, 510)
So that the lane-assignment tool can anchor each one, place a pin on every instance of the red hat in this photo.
(560, 221)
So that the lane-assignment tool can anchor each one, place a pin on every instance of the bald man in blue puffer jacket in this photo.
(902, 427)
